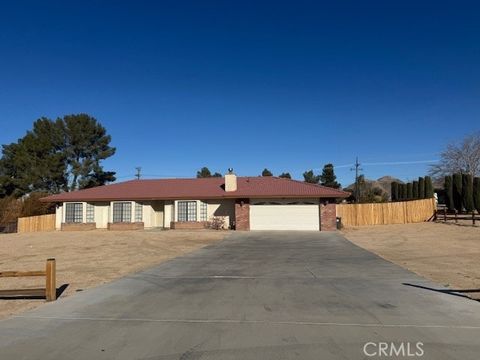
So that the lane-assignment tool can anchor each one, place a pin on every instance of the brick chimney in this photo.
(230, 181)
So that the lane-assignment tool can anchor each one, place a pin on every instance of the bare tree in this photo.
(461, 157)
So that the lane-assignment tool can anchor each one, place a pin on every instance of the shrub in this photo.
(415, 189)
(457, 192)
(467, 192)
(476, 193)
(409, 191)
(428, 187)
(421, 188)
(448, 186)
(217, 223)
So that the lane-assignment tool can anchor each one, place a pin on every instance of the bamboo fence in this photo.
(402, 212)
(36, 223)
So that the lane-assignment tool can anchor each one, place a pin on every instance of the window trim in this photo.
(138, 212)
(190, 211)
(123, 218)
(89, 213)
(75, 212)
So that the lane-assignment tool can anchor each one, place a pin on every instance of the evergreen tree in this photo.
(409, 191)
(415, 189)
(448, 187)
(55, 156)
(394, 190)
(285, 175)
(429, 192)
(476, 193)
(467, 192)
(328, 177)
(457, 192)
(421, 188)
(204, 172)
(266, 172)
(310, 177)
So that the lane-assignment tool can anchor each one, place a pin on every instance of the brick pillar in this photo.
(328, 216)
(242, 214)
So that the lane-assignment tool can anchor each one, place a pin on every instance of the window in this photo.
(90, 213)
(138, 212)
(74, 212)
(203, 211)
(187, 211)
(122, 211)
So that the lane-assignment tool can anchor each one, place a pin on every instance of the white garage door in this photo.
(284, 217)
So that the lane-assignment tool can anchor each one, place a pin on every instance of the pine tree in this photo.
(266, 172)
(467, 192)
(415, 189)
(476, 193)
(285, 175)
(429, 192)
(421, 188)
(457, 192)
(448, 187)
(328, 177)
(409, 191)
(310, 177)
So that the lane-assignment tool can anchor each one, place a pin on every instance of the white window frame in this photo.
(89, 213)
(124, 219)
(138, 212)
(75, 213)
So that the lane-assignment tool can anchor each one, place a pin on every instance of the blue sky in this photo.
(285, 85)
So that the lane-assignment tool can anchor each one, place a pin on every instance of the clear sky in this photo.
(248, 84)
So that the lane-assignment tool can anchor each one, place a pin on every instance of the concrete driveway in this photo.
(256, 295)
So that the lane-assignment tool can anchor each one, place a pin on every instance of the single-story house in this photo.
(241, 203)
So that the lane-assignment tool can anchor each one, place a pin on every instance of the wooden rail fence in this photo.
(50, 290)
(386, 213)
(36, 223)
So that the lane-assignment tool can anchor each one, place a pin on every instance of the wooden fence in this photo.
(386, 213)
(50, 290)
(36, 223)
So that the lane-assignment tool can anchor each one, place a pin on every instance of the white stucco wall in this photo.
(58, 216)
(221, 208)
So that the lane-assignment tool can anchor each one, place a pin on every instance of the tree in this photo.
(285, 175)
(415, 189)
(409, 191)
(467, 192)
(403, 191)
(328, 177)
(448, 186)
(457, 191)
(204, 172)
(310, 177)
(462, 157)
(86, 144)
(476, 193)
(428, 187)
(55, 156)
(266, 172)
(394, 190)
(421, 188)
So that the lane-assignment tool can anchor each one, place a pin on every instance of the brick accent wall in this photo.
(191, 225)
(328, 217)
(78, 226)
(125, 226)
(242, 214)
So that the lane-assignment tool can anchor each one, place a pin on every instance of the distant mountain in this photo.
(383, 183)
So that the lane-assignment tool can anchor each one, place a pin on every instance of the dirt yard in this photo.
(448, 254)
(87, 259)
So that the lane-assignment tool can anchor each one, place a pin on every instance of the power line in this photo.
(137, 175)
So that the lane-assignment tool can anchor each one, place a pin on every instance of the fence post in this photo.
(456, 216)
(473, 218)
(445, 214)
(50, 288)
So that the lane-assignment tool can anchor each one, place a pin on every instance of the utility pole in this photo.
(357, 169)
(137, 175)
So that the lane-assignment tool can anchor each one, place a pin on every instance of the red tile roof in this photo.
(205, 188)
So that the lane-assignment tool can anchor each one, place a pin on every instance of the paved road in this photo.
(256, 295)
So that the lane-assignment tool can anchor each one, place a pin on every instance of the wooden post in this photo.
(445, 214)
(473, 218)
(456, 216)
(50, 288)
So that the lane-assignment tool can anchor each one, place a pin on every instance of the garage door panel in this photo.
(284, 217)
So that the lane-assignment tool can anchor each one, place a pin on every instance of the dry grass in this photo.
(448, 254)
(87, 259)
